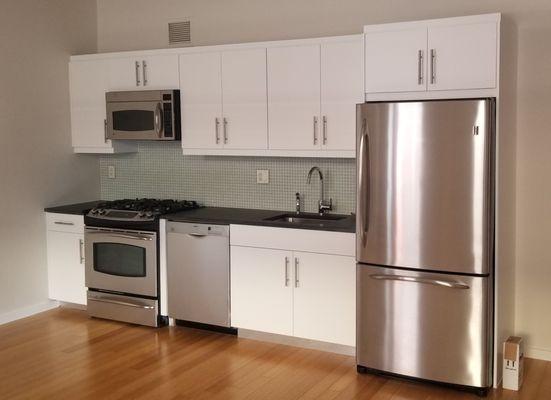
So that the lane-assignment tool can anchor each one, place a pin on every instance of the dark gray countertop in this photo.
(244, 216)
(75, 209)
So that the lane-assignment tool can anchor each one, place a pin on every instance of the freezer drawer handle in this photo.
(121, 303)
(436, 282)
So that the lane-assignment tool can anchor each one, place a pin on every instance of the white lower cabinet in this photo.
(324, 300)
(295, 293)
(65, 247)
(260, 297)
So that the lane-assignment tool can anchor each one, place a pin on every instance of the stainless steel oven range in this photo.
(122, 259)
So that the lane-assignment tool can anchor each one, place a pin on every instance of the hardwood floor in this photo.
(63, 354)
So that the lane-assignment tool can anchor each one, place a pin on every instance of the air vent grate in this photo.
(179, 32)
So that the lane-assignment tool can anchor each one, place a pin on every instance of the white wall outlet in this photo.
(111, 171)
(262, 176)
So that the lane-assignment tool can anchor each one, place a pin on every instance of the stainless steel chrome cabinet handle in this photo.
(144, 69)
(105, 130)
(121, 303)
(286, 271)
(225, 130)
(63, 223)
(137, 73)
(216, 129)
(432, 66)
(80, 252)
(363, 182)
(297, 281)
(420, 67)
(121, 235)
(324, 119)
(315, 130)
(436, 282)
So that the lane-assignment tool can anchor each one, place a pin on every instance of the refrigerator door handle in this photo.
(363, 183)
(436, 282)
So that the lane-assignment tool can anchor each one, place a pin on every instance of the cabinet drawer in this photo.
(65, 222)
(340, 243)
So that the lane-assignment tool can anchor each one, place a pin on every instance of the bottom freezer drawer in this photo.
(122, 308)
(424, 325)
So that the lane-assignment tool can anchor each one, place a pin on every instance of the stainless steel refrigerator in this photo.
(425, 239)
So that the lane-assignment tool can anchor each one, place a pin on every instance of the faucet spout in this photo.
(323, 205)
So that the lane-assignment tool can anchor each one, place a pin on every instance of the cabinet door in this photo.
(294, 97)
(144, 73)
(66, 267)
(261, 290)
(465, 56)
(245, 99)
(201, 100)
(160, 72)
(392, 62)
(88, 81)
(325, 298)
(341, 89)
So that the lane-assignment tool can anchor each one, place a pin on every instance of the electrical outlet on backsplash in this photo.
(160, 170)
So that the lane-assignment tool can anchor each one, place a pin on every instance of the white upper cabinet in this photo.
(449, 54)
(463, 56)
(224, 100)
(201, 100)
(341, 89)
(395, 60)
(144, 73)
(244, 105)
(294, 97)
(88, 82)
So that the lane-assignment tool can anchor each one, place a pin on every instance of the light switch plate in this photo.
(111, 171)
(262, 176)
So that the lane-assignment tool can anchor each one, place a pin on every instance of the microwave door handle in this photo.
(158, 120)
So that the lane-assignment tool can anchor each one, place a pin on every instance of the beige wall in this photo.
(37, 166)
(141, 24)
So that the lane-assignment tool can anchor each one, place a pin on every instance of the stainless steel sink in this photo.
(307, 219)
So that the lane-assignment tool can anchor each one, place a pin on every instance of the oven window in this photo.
(119, 259)
(133, 120)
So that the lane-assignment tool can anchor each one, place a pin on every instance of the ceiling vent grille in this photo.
(179, 32)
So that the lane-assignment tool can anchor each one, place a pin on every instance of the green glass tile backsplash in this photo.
(160, 170)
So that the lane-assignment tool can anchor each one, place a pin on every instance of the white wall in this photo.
(526, 51)
(37, 166)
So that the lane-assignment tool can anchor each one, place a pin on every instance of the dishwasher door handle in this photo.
(196, 235)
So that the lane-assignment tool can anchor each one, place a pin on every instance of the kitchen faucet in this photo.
(323, 205)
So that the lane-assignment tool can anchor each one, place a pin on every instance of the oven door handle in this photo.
(122, 235)
(121, 303)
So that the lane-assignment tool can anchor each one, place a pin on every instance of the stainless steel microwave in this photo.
(143, 115)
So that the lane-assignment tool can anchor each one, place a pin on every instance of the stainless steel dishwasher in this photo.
(198, 265)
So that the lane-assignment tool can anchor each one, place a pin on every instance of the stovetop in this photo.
(135, 213)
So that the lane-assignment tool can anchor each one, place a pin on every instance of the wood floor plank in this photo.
(63, 354)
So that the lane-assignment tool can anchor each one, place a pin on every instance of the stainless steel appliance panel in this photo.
(426, 325)
(143, 115)
(425, 185)
(123, 308)
(198, 264)
(122, 261)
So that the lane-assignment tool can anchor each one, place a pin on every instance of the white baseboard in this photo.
(297, 342)
(27, 311)
(538, 353)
